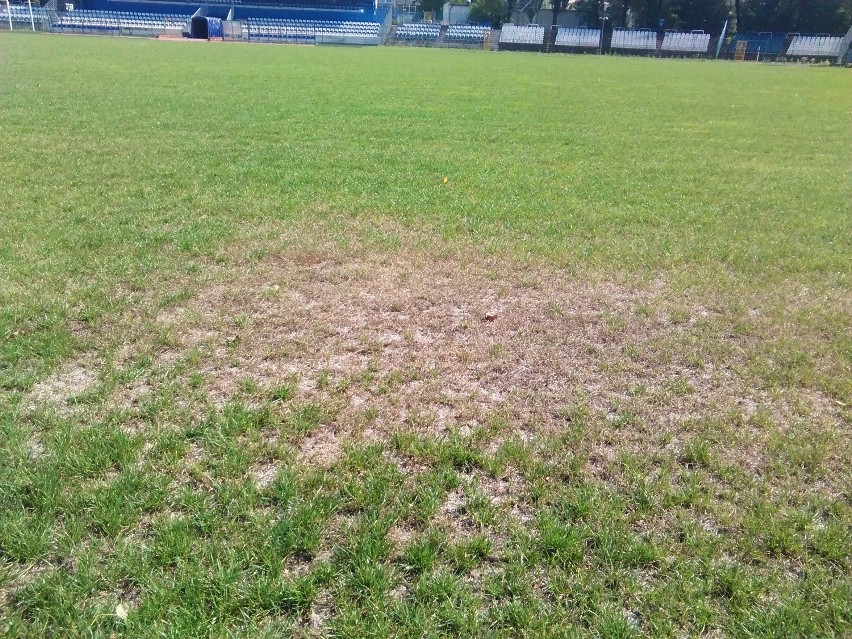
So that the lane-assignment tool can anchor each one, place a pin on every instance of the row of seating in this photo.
(277, 4)
(114, 20)
(527, 34)
(624, 39)
(578, 38)
(814, 46)
(765, 43)
(467, 33)
(418, 31)
(21, 13)
(307, 30)
(634, 40)
(695, 42)
(268, 33)
(308, 24)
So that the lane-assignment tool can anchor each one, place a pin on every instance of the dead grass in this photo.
(445, 345)
(59, 390)
(320, 449)
(432, 346)
(427, 344)
(519, 379)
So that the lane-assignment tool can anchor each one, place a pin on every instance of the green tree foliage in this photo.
(685, 15)
(708, 15)
(804, 16)
(556, 7)
(590, 11)
(493, 11)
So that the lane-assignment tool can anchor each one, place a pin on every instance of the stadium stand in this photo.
(296, 4)
(632, 40)
(307, 31)
(578, 38)
(370, 23)
(22, 13)
(307, 14)
(766, 44)
(527, 36)
(467, 33)
(695, 42)
(814, 46)
(113, 21)
(328, 5)
(358, 22)
(418, 31)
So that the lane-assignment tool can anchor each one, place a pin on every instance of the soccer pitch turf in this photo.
(409, 342)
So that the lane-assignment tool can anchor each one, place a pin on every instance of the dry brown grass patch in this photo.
(59, 389)
(398, 342)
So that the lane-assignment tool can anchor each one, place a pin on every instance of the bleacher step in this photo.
(442, 37)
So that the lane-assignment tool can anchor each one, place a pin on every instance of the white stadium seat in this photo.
(631, 40)
(578, 38)
(695, 42)
(814, 46)
(527, 34)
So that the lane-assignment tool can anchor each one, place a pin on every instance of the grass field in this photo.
(396, 342)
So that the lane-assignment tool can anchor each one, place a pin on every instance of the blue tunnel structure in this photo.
(205, 27)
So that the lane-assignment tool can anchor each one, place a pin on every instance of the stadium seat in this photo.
(112, 21)
(467, 33)
(306, 31)
(695, 42)
(418, 31)
(819, 46)
(633, 40)
(527, 34)
(578, 38)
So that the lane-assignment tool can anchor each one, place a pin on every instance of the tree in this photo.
(709, 15)
(648, 13)
(510, 7)
(491, 11)
(810, 16)
(804, 16)
(588, 10)
(432, 5)
(557, 6)
(591, 10)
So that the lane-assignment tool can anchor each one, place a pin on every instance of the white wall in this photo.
(455, 14)
(545, 18)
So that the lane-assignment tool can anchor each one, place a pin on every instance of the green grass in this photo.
(139, 175)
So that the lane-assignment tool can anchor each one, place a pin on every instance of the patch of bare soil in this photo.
(59, 389)
(320, 449)
(264, 474)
